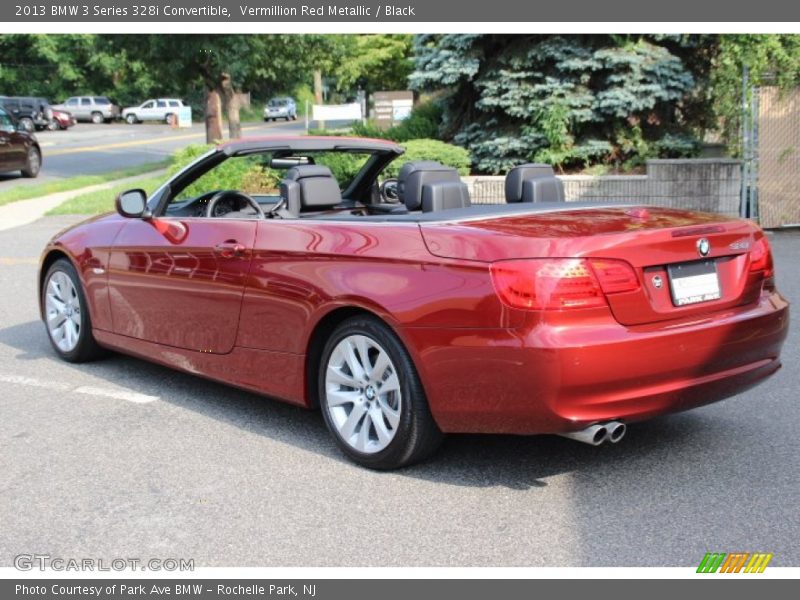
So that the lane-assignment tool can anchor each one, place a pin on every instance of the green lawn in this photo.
(23, 192)
(102, 201)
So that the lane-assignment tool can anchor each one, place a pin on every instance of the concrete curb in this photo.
(23, 212)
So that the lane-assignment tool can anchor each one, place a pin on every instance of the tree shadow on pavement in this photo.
(513, 462)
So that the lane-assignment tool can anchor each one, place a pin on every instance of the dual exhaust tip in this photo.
(599, 433)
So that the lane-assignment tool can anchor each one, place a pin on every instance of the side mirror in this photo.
(132, 203)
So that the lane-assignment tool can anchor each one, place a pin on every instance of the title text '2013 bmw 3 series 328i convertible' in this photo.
(405, 312)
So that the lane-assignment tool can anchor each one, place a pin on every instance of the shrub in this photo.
(246, 173)
(447, 154)
(422, 123)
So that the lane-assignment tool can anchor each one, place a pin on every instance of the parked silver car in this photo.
(96, 109)
(280, 108)
(158, 109)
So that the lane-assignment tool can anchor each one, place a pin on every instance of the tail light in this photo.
(560, 283)
(761, 260)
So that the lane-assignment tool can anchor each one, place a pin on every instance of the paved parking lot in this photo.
(121, 458)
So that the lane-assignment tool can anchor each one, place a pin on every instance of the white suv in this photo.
(160, 109)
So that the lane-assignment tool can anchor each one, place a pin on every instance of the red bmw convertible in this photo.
(301, 269)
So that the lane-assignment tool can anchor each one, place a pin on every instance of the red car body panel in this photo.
(175, 292)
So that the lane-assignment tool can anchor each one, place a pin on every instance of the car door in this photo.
(86, 108)
(160, 113)
(146, 110)
(180, 281)
(72, 105)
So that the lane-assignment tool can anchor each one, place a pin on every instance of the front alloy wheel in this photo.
(372, 399)
(65, 315)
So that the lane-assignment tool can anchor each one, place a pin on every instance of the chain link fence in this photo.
(776, 158)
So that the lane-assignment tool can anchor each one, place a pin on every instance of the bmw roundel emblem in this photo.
(703, 246)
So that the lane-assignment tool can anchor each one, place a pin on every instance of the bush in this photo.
(447, 154)
(422, 123)
(302, 94)
(246, 173)
(343, 165)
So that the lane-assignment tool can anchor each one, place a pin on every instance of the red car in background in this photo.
(329, 278)
(62, 120)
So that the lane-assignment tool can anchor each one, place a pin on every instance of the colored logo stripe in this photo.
(734, 562)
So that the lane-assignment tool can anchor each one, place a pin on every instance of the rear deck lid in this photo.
(687, 263)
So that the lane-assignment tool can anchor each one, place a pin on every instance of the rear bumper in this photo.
(558, 375)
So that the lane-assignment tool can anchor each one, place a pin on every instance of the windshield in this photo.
(278, 103)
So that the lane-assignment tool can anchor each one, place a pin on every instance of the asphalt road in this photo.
(88, 149)
(121, 458)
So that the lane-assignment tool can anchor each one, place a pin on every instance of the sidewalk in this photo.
(24, 212)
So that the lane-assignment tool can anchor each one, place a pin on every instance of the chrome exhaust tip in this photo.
(615, 431)
(594, 435)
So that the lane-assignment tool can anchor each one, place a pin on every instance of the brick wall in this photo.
(710, 184)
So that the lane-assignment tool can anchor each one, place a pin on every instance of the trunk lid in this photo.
(662, 245)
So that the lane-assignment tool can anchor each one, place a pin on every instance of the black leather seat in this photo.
(307, 188)
(430, 186)
(533, 183)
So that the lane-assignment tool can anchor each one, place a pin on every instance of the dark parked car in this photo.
(30, 112)
(19, 149)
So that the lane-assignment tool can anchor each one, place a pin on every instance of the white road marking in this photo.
(87, 390)
(116, 394)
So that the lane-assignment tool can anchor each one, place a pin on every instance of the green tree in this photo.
(772, 59)
(58, 66)
(375, 62)
(568, 99)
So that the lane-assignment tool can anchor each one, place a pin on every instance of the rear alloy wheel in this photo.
(131, 119)
(66, 316)
(371, 397)
(33, 163)
(97, 118)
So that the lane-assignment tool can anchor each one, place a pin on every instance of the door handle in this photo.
(230, 249)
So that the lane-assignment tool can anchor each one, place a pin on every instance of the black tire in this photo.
(417, 435)
(131, 119)
(168, 118)
(33, 163)
(87, 348)
(97, 118)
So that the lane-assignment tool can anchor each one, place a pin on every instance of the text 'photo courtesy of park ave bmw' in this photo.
(542, 276)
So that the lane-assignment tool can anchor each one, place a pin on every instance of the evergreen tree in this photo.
(569, 100)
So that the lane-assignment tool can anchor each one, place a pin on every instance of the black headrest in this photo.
(310, 187)
(303, 171)
(441, 195)
(533, 183)
(415, 175)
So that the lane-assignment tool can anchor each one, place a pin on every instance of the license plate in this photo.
(694, 282)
